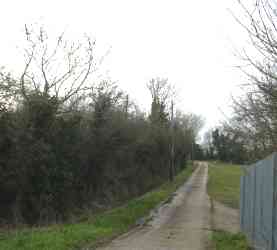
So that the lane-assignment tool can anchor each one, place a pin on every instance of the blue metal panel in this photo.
(274, 209)
(258, 239)
(259, 203)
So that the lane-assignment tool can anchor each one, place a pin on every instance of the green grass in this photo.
(94, 229)
(224, 186)
(229, 241)
(224, 183)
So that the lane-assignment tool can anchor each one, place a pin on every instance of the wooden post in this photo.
(126, 106)
(171, 167)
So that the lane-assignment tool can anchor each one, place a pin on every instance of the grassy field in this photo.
(224, 186)
(94, 229)
(224, 183)
(228, 241)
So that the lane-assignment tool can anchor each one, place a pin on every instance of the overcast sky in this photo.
(189, 42)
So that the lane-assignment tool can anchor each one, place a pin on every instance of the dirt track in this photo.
(181, 224)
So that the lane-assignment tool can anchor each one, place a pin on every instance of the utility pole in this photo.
(192, 149)
(126, 105)
(171, 167)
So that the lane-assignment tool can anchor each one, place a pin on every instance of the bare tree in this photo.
(190, 123)
(161, 90)
(255, 114)
(61, 69)
(162, 93)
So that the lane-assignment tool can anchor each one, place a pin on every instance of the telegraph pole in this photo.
(171, 167)
(126, 105)
(192, 149)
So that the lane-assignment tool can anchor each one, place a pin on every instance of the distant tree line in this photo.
(68, 144)
(221, 144)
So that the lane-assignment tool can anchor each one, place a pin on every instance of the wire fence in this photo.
(258, 203)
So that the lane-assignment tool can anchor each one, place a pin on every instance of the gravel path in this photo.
(183, 223)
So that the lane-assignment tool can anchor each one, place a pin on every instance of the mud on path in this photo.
(182, 224)
(224, 218)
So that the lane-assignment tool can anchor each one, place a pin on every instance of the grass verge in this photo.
(224, 186)
(224, 183)
(229, 241)
(95, 229)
